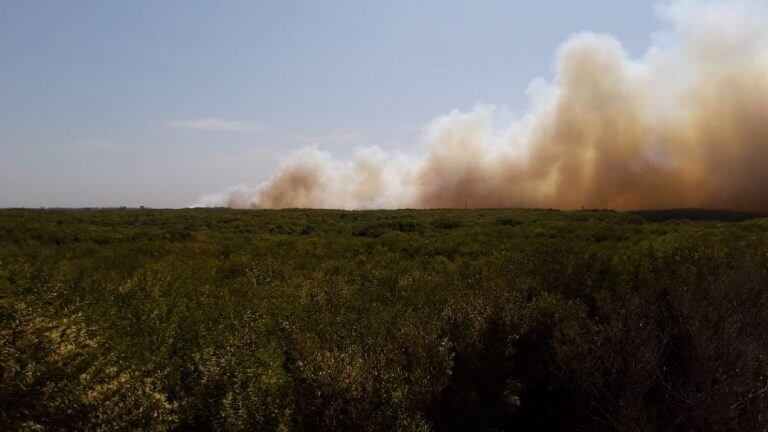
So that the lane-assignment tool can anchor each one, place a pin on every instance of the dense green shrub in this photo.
(445, 320)
(55, 376)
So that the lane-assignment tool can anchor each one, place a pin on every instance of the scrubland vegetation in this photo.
(479, 320)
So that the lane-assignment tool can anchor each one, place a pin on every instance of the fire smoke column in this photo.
(684, 125)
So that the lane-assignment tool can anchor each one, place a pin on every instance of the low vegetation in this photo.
(465, 320)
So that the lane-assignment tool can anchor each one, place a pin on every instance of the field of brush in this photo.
(444, 320)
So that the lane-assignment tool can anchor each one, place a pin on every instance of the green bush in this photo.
(444, 320)
(57, 377)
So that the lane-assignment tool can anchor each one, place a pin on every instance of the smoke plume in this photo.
(684, 125)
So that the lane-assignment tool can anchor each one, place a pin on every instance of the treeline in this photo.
(694, 214)
(408, 320)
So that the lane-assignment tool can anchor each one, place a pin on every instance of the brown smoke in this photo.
(685, 125)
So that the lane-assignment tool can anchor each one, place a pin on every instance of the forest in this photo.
(407, 320)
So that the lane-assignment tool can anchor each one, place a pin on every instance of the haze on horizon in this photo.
(345, 105)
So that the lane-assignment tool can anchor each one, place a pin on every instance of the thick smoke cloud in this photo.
(685, 125)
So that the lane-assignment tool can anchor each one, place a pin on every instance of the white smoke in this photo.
(684, 125)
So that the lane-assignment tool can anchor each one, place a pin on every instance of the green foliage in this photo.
(445, 320)
(55, 377)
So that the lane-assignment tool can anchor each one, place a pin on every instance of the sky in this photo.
(157, 103)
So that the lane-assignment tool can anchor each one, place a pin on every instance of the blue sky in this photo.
(157, 102)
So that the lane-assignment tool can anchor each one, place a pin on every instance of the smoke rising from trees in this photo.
(684, 125)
